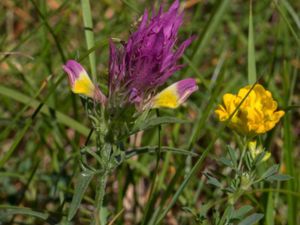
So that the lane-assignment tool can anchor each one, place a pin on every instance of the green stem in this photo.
(100, 192)
(242, 156)
(153, 185)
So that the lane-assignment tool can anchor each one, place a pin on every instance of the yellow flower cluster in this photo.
(256, 115)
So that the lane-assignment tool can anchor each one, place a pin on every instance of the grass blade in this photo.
(89, 34)
(283, 15)
(15, 144)
(269, 218)
(196, 131)
(208, 32)
(288, 147)
(13, 210)
(292, 12)
(61, 118)
(51, 31)
(251, 50)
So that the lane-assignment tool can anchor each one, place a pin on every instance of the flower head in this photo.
(148, 59)
(140, 66)
(80, 81)
(256, 115)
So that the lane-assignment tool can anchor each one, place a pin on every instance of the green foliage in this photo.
(252, 219)
(82, 183)
(183, 166)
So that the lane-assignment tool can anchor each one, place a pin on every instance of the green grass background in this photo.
(43, 125)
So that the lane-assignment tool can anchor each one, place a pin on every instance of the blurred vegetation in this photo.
(43, 125)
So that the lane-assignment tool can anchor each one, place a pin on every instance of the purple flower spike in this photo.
(148, 59)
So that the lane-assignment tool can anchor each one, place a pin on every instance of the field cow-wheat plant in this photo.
(149, 112)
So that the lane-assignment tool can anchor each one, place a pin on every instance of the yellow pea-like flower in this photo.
(256, 115)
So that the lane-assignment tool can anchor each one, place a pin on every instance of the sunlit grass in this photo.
(43, 125)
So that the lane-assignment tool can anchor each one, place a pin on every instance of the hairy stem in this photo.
(100, 192)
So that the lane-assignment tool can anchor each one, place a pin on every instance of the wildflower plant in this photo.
(220, 166)
(137, 71)
(251, 113)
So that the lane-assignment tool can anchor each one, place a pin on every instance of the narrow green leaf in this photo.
(269, 218)
(213, 181)
(131, 5)
(153, 122)
(292, 12)
(227, 215)
(253, 219)
(279, 177)
(104, 214)
(154, 149)
(251, 50)
(51, 31)
(232, 154)
(249, 161)
(226, 162)
(16, 142)
(61, 118)
(288, 142)
(271, 171)
(241, 212)
(284, 16)
(89, 34)
(83, 181)
(21, 177)
(206, 36)
(14, 210)
(259, 158)
(295, 195)
(291, 107)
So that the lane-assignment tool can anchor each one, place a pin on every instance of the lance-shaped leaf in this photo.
(83, 181)
(14, 210)
(153, 122)
(271, 171)
(242, 212)
(252, 219)
(279, 177)
(153, 149)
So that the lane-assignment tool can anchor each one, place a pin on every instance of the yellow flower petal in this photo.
(167, 98)
(83, 85)
(221, 113)
(175, 95)
(256, 115)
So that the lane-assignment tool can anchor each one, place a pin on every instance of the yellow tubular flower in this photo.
(174, 95)
(256, 115)
(79, 80)
(81, 83)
